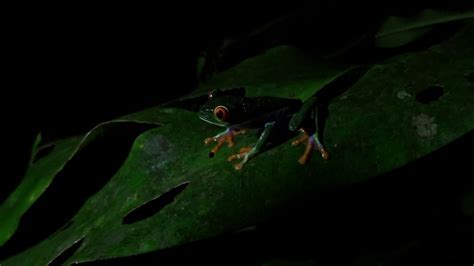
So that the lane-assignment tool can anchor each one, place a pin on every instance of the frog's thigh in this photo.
(306, 111)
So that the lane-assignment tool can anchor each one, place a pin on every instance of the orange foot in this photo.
(312, 142)
(221, 138)
(243, 153)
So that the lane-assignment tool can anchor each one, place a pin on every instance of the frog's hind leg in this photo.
(303, 137)
(247, 153)
(312, 142)
(308, 140)
(310, 120)
(222, 138)
(319, 117)
(320, 147)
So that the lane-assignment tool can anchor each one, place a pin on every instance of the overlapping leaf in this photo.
(398, 31)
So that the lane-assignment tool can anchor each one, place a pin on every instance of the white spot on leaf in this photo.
(159, 151)
(424, 125)
(403, 94)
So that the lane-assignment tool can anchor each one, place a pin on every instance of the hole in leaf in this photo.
(66, 254)
(381, 218)
(43, 152)
(153, 206)
(430, 94)
(83, 176)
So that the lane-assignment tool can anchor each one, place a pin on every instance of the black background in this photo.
(69, 67)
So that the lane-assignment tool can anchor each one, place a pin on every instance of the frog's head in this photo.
(224, 108)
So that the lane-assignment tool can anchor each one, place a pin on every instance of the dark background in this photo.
(67, 68)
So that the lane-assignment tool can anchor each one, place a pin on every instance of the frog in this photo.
(275, 118)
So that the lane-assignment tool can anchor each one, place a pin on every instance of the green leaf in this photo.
(283, 71)
(40, 174)
(376, 126)
(398, 31)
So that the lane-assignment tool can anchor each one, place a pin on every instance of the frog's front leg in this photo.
(247, 153)
(222, 138)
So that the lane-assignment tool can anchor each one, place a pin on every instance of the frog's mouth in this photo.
(208, 117)
(211, 121)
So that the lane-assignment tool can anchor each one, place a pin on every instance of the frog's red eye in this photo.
(221, 112)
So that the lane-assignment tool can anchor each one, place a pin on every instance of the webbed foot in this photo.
(303, 137)
(222, 138)
(244, 153)
(312, 142)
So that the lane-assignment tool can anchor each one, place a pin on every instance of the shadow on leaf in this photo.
(378, 218)
(82, 177)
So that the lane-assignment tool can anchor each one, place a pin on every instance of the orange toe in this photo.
(238, 166)
(325, 154)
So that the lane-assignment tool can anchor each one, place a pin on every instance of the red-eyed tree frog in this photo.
(276, 117)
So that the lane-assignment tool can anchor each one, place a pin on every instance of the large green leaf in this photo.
(41, 172)
(376, 126)
(281, 72)
(398, 31)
